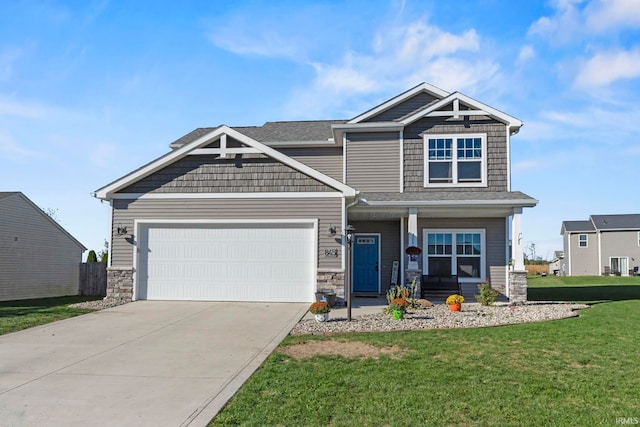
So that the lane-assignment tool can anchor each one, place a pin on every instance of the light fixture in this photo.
(348, 231)
(121, 230)
(332, 230)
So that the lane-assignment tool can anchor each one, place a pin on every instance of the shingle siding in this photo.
(373, 161)
(37, 259)
(407, 107)
(497, 156)
(327, 210)
(210, 174)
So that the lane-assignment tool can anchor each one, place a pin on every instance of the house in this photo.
(38, 258)
(604, 244)
(556, 263)
(259, 213)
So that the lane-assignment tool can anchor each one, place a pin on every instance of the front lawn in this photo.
(579, 371)
(18, 315)
(585, 289)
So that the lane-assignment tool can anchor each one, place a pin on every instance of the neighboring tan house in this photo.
(555, 265)
(259, 213)
(605, 244)
(38, 258)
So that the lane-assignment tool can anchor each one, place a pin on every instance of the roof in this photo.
(6, 194)
(578, 226)
(603, 223)
(289, 131)
(515, 198)
(616, 222)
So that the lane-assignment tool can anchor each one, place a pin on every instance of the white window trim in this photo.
(638, 238)
(454, 160)
(586, 241)
(454, 256)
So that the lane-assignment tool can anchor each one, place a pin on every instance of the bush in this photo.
(487, 295)
(398, 304)
(92, 257)
(320, 307)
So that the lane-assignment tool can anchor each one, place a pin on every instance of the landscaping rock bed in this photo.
(439, 316)
(101, 304)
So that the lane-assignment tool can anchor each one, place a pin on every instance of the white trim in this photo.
(224, 151)
(586, 240)
(147, 222)
(379, 259)
(402, 161)
(108, 191)
(432, 109)
(454, 255)
(458, 203)
(624, 272)
(423, 87)
(110, 234)
(568, 254)
(507, 264)
(599, 234)
(265, 195)
(508, 138)
(454, 160)
(344, 158)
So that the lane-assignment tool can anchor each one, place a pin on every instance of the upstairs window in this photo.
(455, 160)
(582, 240)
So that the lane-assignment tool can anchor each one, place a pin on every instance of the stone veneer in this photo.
(517, 286)
(331, 281)
(120, 283)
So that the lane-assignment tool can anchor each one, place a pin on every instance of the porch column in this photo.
(412, 237)
(516, 240)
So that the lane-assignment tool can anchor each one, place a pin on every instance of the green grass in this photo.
(579, 371)
(18, 315)
(584, 289)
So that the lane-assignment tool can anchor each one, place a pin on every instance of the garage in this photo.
(227, 261)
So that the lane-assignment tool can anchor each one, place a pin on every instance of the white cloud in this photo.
(400, 57)
(11, 149)
(526, 53)
(562, 26)
(606, 67)
(602, 15)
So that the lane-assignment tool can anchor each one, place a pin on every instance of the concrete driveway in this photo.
(147, 363)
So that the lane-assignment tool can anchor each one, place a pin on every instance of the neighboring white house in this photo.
(38, 258)
(604, 244)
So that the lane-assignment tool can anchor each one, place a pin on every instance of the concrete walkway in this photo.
(147, 363)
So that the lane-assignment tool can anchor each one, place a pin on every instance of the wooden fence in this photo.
(93, 279)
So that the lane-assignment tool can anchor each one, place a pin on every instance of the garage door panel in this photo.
(227, 262)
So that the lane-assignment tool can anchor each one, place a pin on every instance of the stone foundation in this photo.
(120, 283)
(517, 286)
(332, 281)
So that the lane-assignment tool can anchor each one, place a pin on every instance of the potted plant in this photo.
(455, 302)
(397, 307)
(321, 310)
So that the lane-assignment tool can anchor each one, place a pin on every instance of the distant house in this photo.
(556, 263)
(604, 244)
(38, 258)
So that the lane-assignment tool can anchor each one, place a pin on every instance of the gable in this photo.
(407, 107)
(231, 155)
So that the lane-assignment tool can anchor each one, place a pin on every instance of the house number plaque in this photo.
(331, 252)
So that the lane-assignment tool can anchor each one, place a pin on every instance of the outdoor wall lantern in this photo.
(332, 230)
(348, 231)
(121, 230)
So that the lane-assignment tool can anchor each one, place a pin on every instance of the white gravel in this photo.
(473, 315)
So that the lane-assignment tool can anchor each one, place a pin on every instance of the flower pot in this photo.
(322, 317)
(455, 307)
(397, 314)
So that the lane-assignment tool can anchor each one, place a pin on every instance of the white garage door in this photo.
(227, 262)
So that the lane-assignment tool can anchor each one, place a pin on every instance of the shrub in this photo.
(487, 295)
(320, 307)
(92, 257)
(398, 304)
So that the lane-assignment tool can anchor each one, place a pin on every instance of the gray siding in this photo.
(327, 210)
(373, 161)
(389, 246)
(584, 261)
(497, 157)
(620, 244)
(209, 174)
(37, 259)
(327, 160)
(407, 107)
(495, 242)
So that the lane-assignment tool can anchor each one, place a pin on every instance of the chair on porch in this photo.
(607, 271)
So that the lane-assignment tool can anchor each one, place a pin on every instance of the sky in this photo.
(91, 90)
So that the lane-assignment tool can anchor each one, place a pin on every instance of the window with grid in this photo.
(455, 159)
(455, 252)
(582, 240)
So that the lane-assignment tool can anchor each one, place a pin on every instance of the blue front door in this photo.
(366, 263)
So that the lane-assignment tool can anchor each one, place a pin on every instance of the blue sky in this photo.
(90, 90)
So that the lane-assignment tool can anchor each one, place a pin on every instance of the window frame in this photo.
(454, 160)
(454, 255)
(586, 240)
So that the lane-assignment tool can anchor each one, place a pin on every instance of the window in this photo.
(582, 240)
(455, 252)
(455, 159)
(638, 238)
